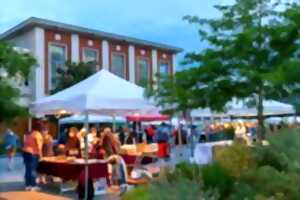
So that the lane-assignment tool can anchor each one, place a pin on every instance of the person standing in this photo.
(32, 151)
(10, 142)
(110, 143)
(72, 146)
(192, 135)
(47, 150)
(162, 139)
(150, 132)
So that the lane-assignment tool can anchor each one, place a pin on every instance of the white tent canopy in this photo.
(206, 113)
(239, 109)
(91, 119)
(102, 93)
(271, 108)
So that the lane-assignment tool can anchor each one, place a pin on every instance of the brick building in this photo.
(53, 43)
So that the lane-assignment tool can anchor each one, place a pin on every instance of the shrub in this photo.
(282, 152)
(216, 177)
(235, 159)
(269, 182)
(142, 193)
(183, 189)
(266, 156)
(185, 170)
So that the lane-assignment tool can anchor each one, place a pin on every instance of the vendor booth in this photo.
(103, 94)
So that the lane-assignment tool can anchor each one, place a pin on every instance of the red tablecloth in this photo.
(72, 171)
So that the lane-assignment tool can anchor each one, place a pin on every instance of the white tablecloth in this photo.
(203, 152)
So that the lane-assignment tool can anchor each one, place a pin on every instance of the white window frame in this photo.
(65, 46)
(125, 62)
(92, 49)
(137, 77)
(164, 61)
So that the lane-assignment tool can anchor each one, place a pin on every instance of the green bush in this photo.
(283, 151)
(142, 193)
(216, 177)
(235, 159)
(266, 156)
(185, 170)
(183, 189)
(238, 173)
(268, 182)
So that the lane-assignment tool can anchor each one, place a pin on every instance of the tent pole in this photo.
(30, 124)
(179, 131)
(86, 126)
(114, 123)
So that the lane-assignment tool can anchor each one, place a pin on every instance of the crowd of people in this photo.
(103, 142)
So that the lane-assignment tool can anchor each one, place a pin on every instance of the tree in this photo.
(252, 55)
(15, 67)
(73, 73)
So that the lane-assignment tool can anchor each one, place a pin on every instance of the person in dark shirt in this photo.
(73, 144)
(183, 133)
(128, 137)
(162, 134)
(109, 143)
(150, 132)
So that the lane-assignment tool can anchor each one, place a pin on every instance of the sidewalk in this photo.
(15, 175)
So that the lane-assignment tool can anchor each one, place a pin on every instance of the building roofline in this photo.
(45, 23)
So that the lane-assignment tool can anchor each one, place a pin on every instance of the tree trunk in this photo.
(260, 115)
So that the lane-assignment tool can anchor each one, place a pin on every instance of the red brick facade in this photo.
(64, 38)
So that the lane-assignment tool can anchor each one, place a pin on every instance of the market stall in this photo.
(102, 93)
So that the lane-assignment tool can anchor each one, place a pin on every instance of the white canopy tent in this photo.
(102, 93)
(92, 119)
(239, 109)
(271, 108)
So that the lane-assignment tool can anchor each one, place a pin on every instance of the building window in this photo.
(164, 68)
(118, 64)
(57, 59)
(142, 70)
(90, 56)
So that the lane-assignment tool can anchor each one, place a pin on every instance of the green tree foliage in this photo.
(13, 65)
(73, 73)
(252, 54)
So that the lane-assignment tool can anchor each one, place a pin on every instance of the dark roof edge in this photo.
(44, 23)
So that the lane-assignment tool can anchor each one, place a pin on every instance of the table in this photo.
(136, 155)
(71, 171)
(204, 152)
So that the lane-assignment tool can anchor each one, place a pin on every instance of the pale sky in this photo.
(155, 20)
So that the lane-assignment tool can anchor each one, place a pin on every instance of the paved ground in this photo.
(12, 186)
(12, 182)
